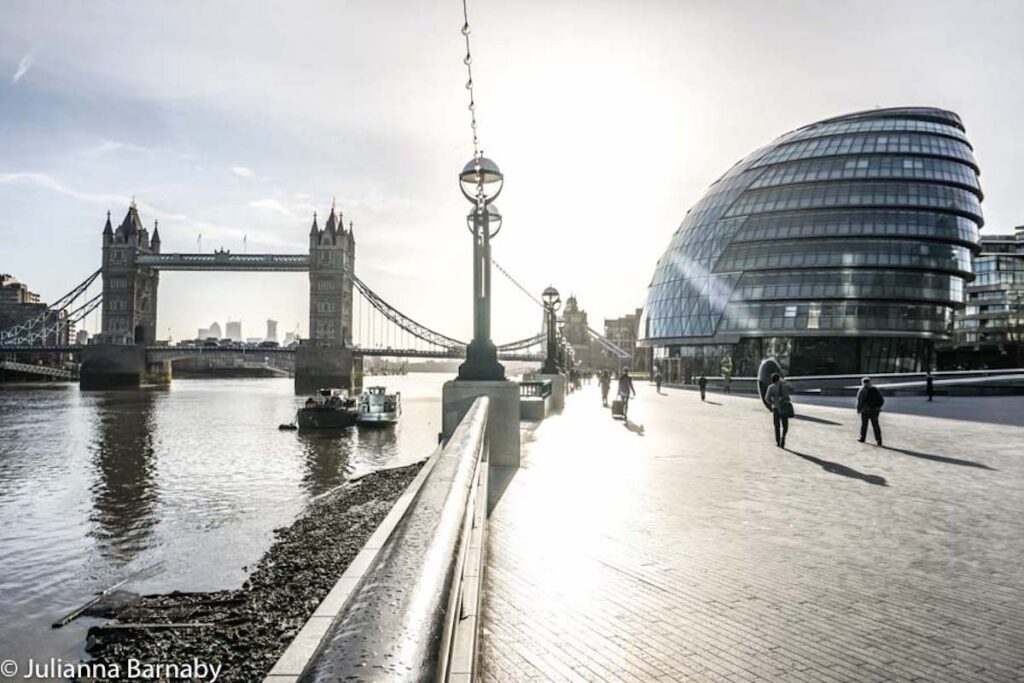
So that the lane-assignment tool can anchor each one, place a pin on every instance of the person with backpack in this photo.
(869, 405)
(777, 398)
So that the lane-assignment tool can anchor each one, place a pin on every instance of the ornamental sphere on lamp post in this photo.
(481, 182)
(551, 303)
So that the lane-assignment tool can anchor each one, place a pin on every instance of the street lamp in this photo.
(551, 303)
(481, 182)
(564, 349)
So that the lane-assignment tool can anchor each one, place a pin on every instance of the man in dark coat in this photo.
(869, 405)
(702, 382)
(929, 385)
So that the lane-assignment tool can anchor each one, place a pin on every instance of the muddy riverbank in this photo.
(247, 629)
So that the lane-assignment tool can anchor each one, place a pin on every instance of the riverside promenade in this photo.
(692, 548)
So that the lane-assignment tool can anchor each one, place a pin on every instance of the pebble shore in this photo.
(247, 629)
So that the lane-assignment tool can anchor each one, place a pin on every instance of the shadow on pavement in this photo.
(714, 403)
(498, 480)
(940, 458)
(819, 420)
(841, 470)
(634, 427)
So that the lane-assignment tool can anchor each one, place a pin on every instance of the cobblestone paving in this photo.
(694, 549)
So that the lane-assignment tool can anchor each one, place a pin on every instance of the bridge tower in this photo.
(129, 290)
(117, 356)
(331, 257)
(326, 359)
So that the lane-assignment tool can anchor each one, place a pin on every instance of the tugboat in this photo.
(376, 406)
(329, 409)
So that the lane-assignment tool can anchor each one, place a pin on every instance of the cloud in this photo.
(243, 171)
(23, 66)
(183, 221)
(49, 183)
(272, 205)
(110, 146)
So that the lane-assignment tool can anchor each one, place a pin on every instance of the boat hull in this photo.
(325, 418)
(378, 418)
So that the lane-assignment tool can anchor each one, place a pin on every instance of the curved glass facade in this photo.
(843, 246)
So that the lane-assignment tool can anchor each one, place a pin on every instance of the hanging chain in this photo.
(516, 283)
(468, 61)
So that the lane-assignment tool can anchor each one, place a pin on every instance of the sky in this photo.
(237, 120)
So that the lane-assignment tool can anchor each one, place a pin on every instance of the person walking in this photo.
(869, 405)
(728, 384)
(702, 382)
(777, 396)
(625, 388)
(657, 380)
(929, 385)
(605, 380)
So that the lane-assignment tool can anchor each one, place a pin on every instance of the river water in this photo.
(179, 488)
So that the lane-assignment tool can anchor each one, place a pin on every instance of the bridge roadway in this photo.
(164, 353)
(693, 549)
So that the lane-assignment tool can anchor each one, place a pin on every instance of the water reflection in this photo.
(378, 445)
(96, 486)
(124, 491)
(328, 458)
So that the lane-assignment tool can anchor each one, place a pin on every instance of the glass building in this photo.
(841, 247)
(990, 330)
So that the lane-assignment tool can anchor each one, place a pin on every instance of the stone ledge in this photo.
(296, 656)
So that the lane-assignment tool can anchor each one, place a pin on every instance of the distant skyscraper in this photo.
(290, 337)
(82, 337)
(234, 330)
(215, 331)
(271, 330)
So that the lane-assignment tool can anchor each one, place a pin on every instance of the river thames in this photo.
(175, 488)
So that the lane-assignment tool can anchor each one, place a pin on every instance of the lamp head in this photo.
(550, 297)
(481, 178)
(493, 219)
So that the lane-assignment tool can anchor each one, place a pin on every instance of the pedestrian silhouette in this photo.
(869, 405)
(777, 398)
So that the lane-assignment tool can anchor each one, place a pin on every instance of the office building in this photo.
(841, 247)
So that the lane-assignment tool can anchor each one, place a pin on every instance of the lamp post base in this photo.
(481, 363)
(550, 367)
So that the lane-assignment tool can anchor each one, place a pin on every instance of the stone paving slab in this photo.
(692, 548)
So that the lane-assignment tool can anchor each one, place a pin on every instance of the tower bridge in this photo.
(125, 352)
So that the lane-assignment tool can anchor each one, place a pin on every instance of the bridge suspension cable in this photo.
(56, 317)
(403, 321)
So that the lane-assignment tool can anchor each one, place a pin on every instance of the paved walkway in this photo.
(696, 550)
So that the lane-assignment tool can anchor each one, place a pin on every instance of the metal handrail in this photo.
(399, 620)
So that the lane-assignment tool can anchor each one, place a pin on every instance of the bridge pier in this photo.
(113, 366)
(157, 372)
(318, 367)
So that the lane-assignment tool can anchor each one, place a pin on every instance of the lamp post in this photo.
(481, 182)
(551, 301)
(564, 350)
